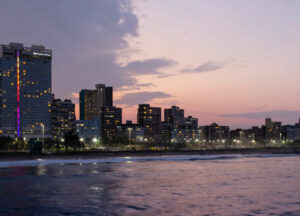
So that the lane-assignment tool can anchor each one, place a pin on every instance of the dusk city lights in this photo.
(148, 107)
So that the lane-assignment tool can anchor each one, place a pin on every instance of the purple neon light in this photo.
(18, 92)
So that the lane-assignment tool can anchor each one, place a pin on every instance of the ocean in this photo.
(152, 185)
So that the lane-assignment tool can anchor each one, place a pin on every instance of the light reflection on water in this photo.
(168, 185)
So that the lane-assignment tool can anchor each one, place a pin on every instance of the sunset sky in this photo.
(232, 62)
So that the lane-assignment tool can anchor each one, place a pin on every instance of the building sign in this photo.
(41, 54)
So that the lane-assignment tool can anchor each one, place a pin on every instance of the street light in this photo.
(43, 131)
(129, 134)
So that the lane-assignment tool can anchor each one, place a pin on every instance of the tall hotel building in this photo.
(25, 91)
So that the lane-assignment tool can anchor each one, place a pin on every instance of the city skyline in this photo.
(149, 107)
(232, 70)
(262, 115)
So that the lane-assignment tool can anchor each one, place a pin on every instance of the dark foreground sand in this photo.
(75, 155)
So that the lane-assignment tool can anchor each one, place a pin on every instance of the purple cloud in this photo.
(206, 67)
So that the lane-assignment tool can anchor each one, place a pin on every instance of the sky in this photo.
(232, 62)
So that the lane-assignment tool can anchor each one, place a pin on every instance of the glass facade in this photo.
(25, 91)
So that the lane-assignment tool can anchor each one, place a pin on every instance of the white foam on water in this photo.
(41, 162)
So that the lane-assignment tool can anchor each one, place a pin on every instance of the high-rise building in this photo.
(93, 101)
(236, 135)
(109, 96)
(190, 122)
(253, 135)
(174, 116)
(112, 124)
(62, 117)
(184, 129)
(25, 91)
(166, 132)
(291, 133)
(268, 123)
(185, 135)
(87, 101)
(273, 131)
(150, 119)
(215, 134)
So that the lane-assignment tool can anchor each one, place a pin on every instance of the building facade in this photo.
(132, 133)
(174, 116)
(112, 124)
(62, 117)
(25, 91)
(87, 101)
(273, 131)
(89, 129)
(166, 133)
(92, 102)
(215, 135)
(291, 133)
(150, 118)
(185, 135)
(190, 123)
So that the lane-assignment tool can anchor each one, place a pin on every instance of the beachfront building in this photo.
(166, 133)
(273, 131)
(25, 91)
(150, 118)
(215, 135)
(89, 129)
(62, 117)
(112, 124)
(174, 116)
(132, 133)
(291, 133)
(92, 102)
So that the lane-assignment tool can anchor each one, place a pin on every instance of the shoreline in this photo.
(9, 156)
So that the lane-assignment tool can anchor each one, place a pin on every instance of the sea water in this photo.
(159, 185)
